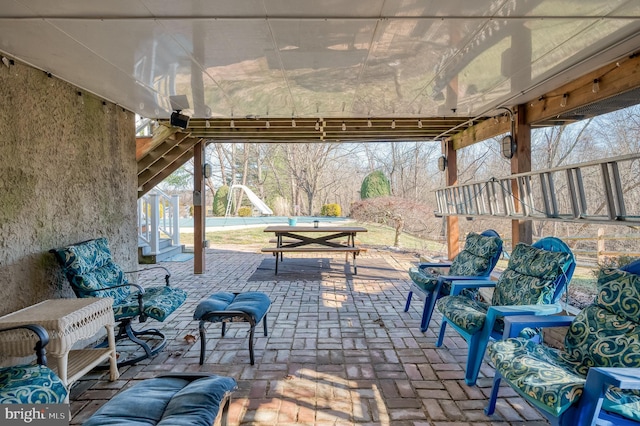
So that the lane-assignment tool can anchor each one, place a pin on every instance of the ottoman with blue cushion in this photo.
(224, 307)
(196, 399)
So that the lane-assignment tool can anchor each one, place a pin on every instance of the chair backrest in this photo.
(607, 332)
(91, 270)
(557, 245)
(479, 256)
(534, 274)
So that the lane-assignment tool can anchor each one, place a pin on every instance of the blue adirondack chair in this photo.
(478, 258)
(533, 283)
(595, 379)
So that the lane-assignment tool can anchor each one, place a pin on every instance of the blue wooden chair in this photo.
(533, 283)
(595, 378)
(478, 258)
(92, 273)
(31, 383)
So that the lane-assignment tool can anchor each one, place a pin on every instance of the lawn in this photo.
(581, 289)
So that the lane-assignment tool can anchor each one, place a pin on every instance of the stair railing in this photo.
(158, 215)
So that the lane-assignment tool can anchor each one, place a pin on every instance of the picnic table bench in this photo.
(305, 239)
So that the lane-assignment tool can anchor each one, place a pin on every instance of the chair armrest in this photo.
(434, 265)
(535, 310)
(513, 325)
(166, 276)
(598, 381)
(458, 286)
(620, 377)
(43, 339)
(137, 286)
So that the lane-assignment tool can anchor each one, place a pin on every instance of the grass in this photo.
(582, 287)
(376, 235)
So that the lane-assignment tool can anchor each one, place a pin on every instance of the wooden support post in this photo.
(600, 246)
(453, 228)
(521, 230)
(199, 209)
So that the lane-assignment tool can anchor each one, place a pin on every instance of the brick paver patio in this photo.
(339, 352)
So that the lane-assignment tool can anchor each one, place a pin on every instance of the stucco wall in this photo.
(67, 174)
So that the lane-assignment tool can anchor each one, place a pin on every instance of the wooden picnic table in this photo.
(306, 239)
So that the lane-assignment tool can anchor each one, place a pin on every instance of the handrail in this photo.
(592, 192)
(158, 214)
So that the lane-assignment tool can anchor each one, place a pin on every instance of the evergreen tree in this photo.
(375, 184)
(220, 201)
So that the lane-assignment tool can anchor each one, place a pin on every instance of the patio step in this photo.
(167, 250)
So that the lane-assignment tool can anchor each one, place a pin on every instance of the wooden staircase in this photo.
(158, 156)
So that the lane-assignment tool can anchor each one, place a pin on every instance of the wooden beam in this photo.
(482, 131)
(613, 79)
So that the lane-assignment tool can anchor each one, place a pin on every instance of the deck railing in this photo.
(158, 216)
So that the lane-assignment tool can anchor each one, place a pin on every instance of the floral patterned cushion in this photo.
(466, 313)
(31, 384)
(607, 333)
(92, 273)
(542, 373)
(475, 260)
(624, 403)
(530, 277)
(604, 334)
(158, 302)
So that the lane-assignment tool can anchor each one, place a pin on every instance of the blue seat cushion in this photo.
(169, 401)
(253, 303)
(31, 384)
(158, 302)
(548, 376)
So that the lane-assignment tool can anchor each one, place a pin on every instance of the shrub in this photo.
(375, 184)
(244, 211)
(331, 210)
(220, 201)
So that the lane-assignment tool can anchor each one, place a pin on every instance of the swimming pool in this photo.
(226, 222)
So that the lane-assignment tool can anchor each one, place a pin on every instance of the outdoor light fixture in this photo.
(508, 143)
(178, 103)
(207, 124)
(207, 170)
(266, 124)
(442, 163)
(232, 124)
(317, 124)
(369, 123)
(419, 124)
(344, 126)
(293, 122)
(507, 146)
(179, 120)
(393, 124)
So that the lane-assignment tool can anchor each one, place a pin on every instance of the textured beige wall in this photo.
(67, 174)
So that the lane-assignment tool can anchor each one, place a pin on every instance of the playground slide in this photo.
(255, 200)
